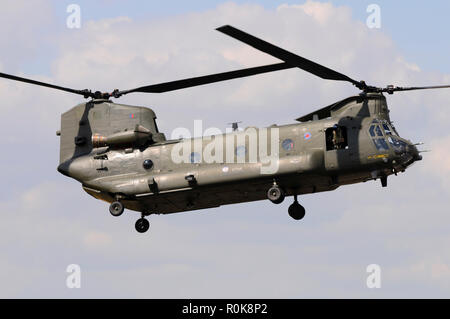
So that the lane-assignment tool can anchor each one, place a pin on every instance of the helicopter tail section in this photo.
(85, 124)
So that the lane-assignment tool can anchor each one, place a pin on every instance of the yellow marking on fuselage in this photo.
(377, 156)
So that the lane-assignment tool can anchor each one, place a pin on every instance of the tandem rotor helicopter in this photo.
(118, 154)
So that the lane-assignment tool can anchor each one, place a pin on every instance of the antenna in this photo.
(234, 125)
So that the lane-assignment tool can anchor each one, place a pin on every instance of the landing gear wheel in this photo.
(142, 225)
(296, 210)
(116, 209)
(275, 194)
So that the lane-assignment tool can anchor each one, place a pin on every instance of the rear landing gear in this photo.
(142, 224)
(116, 208)
(296, 210)
(275, 194)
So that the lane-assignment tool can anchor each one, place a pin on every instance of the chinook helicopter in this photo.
(118, 154)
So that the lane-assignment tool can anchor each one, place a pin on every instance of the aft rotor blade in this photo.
(391, 89)
(85, 93)
(291, 58)
(201, 80)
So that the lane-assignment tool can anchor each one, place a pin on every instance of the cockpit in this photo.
(385, 137)
(382, 133)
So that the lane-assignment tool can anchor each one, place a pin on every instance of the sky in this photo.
(251, 250)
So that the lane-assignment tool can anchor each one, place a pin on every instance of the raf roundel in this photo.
(307, 136)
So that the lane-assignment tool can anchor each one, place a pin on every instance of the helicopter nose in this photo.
(414, 152)
(407, 153)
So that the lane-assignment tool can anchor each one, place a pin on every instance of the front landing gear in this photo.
(296, 210)
(275, 194)
(116, 208)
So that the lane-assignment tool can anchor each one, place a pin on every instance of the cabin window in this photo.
(336, 138)
(288, 144)
(195, 158)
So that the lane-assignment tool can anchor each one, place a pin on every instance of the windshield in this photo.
(389, 129)
(398, 145)
(376, 130)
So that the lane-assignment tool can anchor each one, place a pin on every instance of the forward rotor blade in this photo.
(201, 80)
(392, 89)
(291, 58)
(85, 93)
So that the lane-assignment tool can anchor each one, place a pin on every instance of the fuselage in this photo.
(187, 174)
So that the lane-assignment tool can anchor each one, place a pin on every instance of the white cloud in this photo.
(437, 161)
(18, 24)
(96, 239)
(321, 12)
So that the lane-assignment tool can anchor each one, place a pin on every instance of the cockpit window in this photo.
(394, 131)
(389, 129)
(378, 138)
(380, 144)
(375, 130)
(397, 144)
(378, 130)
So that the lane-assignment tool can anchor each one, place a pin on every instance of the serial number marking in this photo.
(247, 308)
(235, 308)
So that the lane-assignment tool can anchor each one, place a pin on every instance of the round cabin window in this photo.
(147, 164)
(288, 144)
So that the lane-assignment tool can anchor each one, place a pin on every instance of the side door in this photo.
(341, 145)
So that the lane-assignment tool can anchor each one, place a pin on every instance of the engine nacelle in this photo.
(139, 136)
